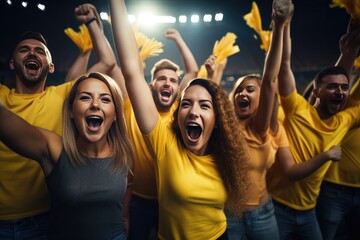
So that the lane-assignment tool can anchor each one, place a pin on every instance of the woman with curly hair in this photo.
(201, 160)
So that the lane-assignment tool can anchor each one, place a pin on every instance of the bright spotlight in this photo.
(182, 19)
(132, 18)
(164, 19)
(207, 18)
(41, 6)
(9, 2)
(24, 4)
(219, 17)
(146, 19)
(104, 16)
(195, 18)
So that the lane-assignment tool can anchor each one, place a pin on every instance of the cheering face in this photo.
(246, 99)
(165, 89)
(333, 91)
(31, 62)
(196, 119)
(93, 110)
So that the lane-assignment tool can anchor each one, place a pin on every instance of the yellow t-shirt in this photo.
(347, 170)
(23, 190)
(308, 136)
(191, 192)
(144, 171)
(281, 114)
(262, 156)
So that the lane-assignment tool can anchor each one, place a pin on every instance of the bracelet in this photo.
(94, 18)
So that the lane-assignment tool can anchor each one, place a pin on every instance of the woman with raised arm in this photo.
(253, 100)
(201, 159)
(87, 169)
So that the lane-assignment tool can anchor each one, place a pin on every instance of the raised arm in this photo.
(79, 67)
(286, 78)
(282, 11)
(29, 141)
(106, 60)
(308, 92)
(215, 70)
(117, 75)
(131, 67)
(210, 66)
(189, 62)
(105, 56)
(349, 47)
(219, 71)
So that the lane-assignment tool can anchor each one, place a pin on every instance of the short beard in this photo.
(160, 105)
(30, 82)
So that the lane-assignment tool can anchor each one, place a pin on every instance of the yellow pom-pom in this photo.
(253, 19)
(352, 7)
(202, 72)
(151, 48)
(140, 37)
(222, 49)
(82, 38)
(265, 37)
(225, 47)
(357, 62)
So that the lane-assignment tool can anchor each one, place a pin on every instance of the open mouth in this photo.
(94, 122)
(336, 101)
(193, 131)
(165, 93)
(243, 104)
(32, 65)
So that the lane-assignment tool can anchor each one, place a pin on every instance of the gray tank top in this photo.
(86, 200)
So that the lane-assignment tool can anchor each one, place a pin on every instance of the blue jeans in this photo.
(144, 218)
(33, 228)
(297, 224)
(334, 203)
(120, 236)
(259, 223)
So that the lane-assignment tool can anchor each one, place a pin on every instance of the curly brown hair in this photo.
(227, 145)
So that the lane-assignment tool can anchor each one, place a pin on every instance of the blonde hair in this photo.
(117, 134)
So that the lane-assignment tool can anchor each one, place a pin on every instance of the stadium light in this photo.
(195, 18)
(104, 16)
(146, 19)
(41, 6)
(182, 19)
(164, 19)
(132, 18)
(219, 17)
(207, 18)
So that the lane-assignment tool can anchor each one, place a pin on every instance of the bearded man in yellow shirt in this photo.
(311, 130)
